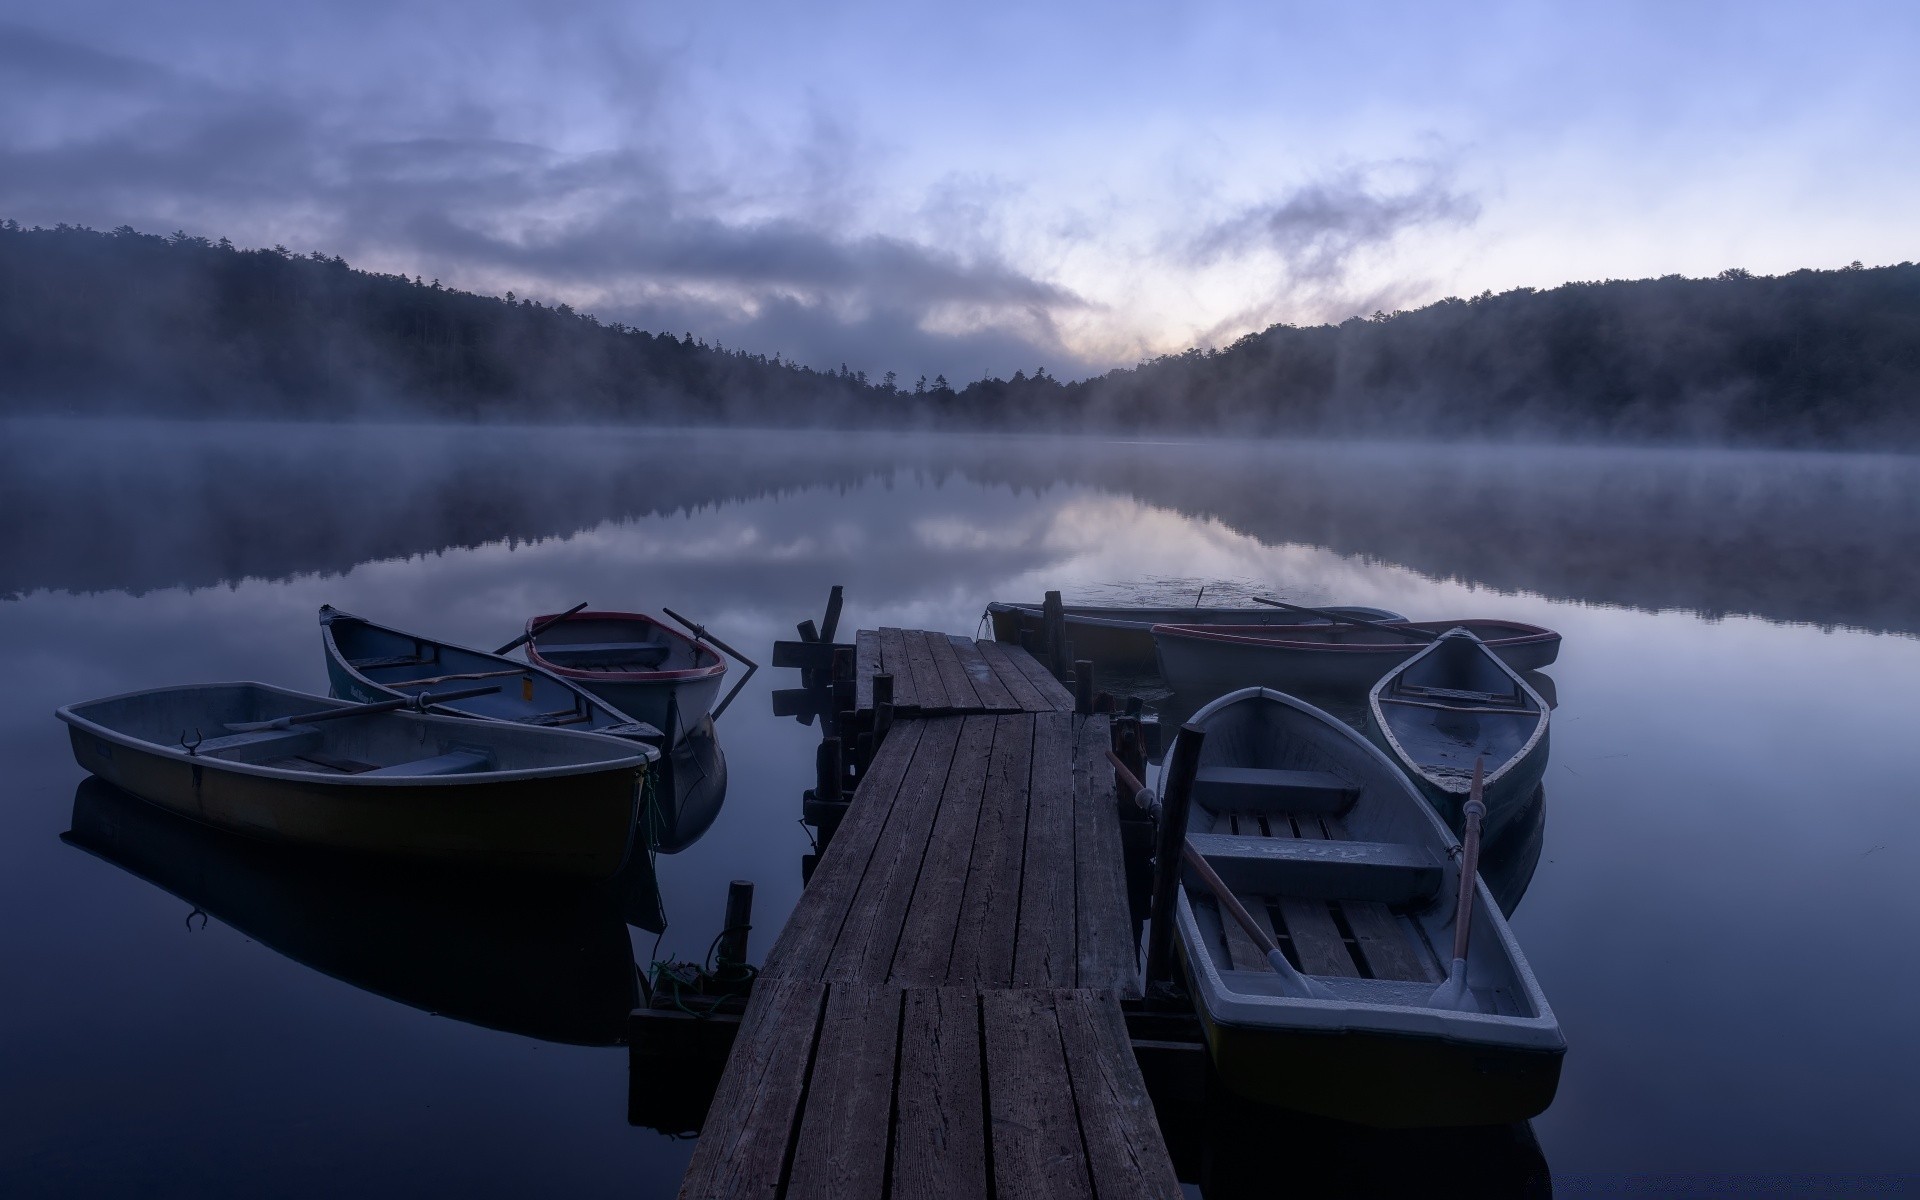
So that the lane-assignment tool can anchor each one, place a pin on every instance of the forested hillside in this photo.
(178, 325)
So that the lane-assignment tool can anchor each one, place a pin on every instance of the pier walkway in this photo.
(941, 1014)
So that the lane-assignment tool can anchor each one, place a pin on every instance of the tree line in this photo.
(183, 326)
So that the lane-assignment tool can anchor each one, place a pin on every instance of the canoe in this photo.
(1120, 638)
(508, 953)
(1452, 703)
(1320, 835)
(404, 784)
(1324, 659)
(369, 662)
(634, 663)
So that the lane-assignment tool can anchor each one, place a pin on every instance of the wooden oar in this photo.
(433, 679)
(539, 629)
(416, 703)
(700, 634)
(1453, 993)
(1418, 635)
(1292, 981)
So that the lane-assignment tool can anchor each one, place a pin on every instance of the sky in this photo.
(971, 190)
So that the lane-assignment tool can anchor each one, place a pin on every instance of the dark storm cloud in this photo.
(1318, 229)
(440, 189)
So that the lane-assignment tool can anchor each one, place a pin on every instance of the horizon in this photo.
(974, 195)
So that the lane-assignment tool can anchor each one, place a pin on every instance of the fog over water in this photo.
(1719, 915)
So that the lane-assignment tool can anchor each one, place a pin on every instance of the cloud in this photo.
(639, 224)
(1319, 229)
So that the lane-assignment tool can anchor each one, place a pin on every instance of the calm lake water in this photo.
(1722, 916)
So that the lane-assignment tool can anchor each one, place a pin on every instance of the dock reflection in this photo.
(532, 958)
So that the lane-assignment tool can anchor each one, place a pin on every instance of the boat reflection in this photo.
(693, 787)
(553, 963)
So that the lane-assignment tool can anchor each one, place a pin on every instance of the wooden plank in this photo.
(842, 1151)
(1045, 954)
(806, 940)
(1318, 945)
(1052, 692)
(1035, 1133)
(1105, 949)
(866, 664)
(743, 1146)
(1243, 953)
(940, 1148)
(927, 686)
(1127, 1155)
(934, 893)
(990, 911)
(993, 694)
(864, 950)
(893, 660)
(1384, 943)
(953, 677)
(1012, 678)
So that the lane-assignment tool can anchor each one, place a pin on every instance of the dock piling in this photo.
(739, 922)
(1175, 794)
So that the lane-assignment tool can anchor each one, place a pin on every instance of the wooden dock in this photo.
(941, 1015)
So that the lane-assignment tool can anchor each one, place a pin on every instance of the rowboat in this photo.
(1120, 638)
(1450, 704)
(508, 953)
(633, 662)
(285, 766)
(1337, 857)
(1336, 659)
(369, 662)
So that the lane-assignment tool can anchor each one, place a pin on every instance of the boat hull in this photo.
(1381, 1079)
(1207, 659)
(1121, 639)
(668, 680)
(575, 822)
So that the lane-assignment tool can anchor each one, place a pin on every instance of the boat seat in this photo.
(1440, 693)
(1268, 790)
(644, 653)
(454, 762)
(261, 745)
(1316, 869)
(390, 660)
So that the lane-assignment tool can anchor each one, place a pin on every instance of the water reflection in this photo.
(547, 962)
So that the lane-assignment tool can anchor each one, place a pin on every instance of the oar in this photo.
(1453, 993)
(417, 703)
(539, 629)
(1418, 635)
(1292, 982)
(700, 634)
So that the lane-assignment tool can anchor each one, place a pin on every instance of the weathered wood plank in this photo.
(743, 1147)
(1045, 954)
(1318, 945)
(842, 1151)
(1052, 692)
(864, 950)
(961, 695)
(893, 660)
(1011, 677)
(927, 684)
(993, 694)
(1243, 953)
(1124, 1147)
(1035, 1134)
(989, 913)
(806, 940)
(1384, 943)
(1105, 935)
(933, 895)
(866, 664)
(940, 1148)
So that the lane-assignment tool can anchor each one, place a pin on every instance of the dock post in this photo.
(882, 708)
(1083, 687)
(1132, 750)
(739, 922)
(830, 623)
(1175, 794)
(843, 680)
(1053, 624)
(830, 770)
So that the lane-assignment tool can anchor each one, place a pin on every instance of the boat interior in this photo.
(1455, 703)
(1337, 860)
(1364, 635)
(389, 745)
(619, 645)
(409, 664)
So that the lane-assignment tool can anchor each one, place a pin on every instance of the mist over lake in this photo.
(1729, 811)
